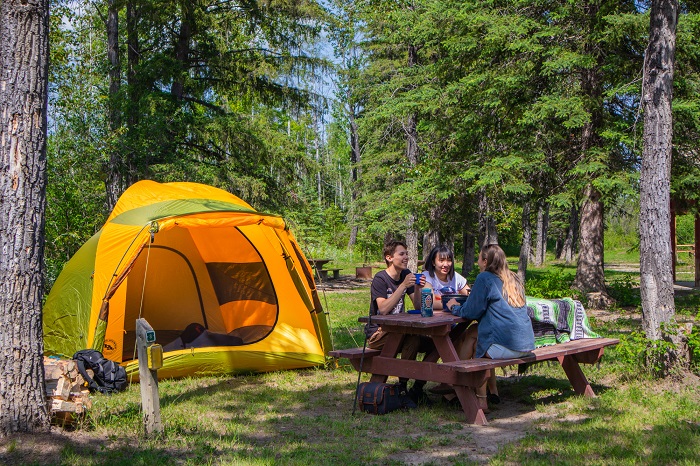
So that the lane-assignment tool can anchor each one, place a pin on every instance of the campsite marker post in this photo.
(150, 401)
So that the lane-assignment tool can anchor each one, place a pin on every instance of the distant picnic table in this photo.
(322, 273)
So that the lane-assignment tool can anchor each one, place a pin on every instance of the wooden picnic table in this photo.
(319, 263)
(321, 273)
(466, 375)
(442, 328)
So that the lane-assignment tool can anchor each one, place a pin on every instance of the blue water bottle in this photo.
(426, 302)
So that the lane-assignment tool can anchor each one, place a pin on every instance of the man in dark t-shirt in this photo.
(389, 287)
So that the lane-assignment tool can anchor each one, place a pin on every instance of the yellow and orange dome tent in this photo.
(226, 288)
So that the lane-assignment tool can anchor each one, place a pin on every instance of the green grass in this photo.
(620, 427)
(304, 417)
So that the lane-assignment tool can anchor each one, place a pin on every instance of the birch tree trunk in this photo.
(655, 187)
(24, 28)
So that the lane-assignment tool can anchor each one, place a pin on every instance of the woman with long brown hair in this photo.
(497, 303)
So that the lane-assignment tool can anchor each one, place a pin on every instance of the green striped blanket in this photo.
(558, 320)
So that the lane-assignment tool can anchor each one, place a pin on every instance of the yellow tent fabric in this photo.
(226, 288)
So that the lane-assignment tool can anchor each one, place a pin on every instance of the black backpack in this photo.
(109, 377)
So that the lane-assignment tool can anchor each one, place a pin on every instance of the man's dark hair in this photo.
(390, 248)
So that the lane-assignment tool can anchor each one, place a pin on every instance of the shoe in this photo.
(451, 401)
(442, 389)
(419, 397)
(493, 398)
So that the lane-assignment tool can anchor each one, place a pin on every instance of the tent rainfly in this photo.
(226, 288)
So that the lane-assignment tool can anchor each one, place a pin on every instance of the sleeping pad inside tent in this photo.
(226, 288)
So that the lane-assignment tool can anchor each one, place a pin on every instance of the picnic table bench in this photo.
(323, 273)
(463, 375)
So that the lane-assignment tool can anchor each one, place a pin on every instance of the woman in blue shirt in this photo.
(497, 303)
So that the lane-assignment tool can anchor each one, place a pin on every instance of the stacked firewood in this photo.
(65, 390)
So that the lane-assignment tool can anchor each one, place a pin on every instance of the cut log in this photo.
(65, 392)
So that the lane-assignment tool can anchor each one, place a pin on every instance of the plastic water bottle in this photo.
(426, 302)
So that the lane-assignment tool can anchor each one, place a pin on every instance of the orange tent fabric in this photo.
(226, 288)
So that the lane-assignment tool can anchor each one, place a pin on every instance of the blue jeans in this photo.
(497, 351)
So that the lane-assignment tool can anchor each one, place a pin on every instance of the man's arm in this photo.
(386, 305)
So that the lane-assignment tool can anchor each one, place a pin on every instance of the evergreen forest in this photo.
(430, 121)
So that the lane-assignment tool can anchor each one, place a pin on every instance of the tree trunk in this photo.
(590, 275)
(412, 243)
(431, 238)
(411, 130)
(317, 158)
(24, 53)
(468, 255)
(527, 241)
(656, 275)
(352, 240)
(571, 236)
(487, 225)
(541, 243)
(355, 158)
(133, 58)
(182, 48)
(545, 233)
(558, 247)
(115, 172)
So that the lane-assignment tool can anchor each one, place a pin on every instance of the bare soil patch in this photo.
(344, 283)
(509, 422)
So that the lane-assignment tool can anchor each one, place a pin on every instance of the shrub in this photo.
(550, 284)
(636, 351)
(624, 290)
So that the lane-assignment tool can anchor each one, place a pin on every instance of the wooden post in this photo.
(673, 239)
(150, 401)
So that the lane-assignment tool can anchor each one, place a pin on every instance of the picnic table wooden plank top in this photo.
(405, 319)
(319, 263)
